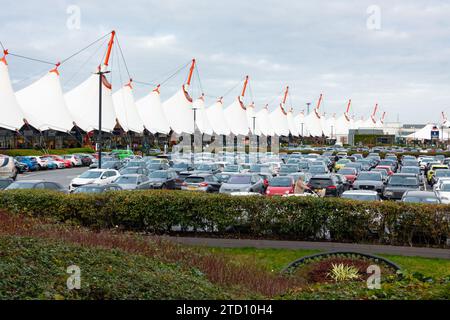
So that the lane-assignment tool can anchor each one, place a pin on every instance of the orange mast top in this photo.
(348, 106)
(245, 86)
(319, 102)
(191, 71)
(375, 110)
(285, 95)
(110, 45)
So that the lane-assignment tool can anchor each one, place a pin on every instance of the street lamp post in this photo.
(193, 137)
(99, 137)
(302, 132)
(307, 107)
(257, 138)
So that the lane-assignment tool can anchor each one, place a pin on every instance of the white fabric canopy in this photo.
(236, 117)
(82, 103)
(279, 122)
(343, 125)
(178, 111)
(263, 124)
(299, 120)
(126, 110)
(359, 123)
(250, 112)
(152, 114)
(201, 118)
(43, 104)
(293, 128)
(11, 115)
(329, 126)
(217, 119)
(425, 133)
(313, 123)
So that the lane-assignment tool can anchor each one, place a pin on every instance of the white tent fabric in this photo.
(359, 123)
(329, 126)
(369, 123)
(178, 111)
(43, 104)
(343, 125)
(217, 119)
(313, 124)
(152, 114)
(250, 112)
(126, 110)
(11, 115)
(299, 121)
(236, 117)
(82, 103)
(424, 133)
(279, 122)
(263, 123)
(293, 128)
(201, 118)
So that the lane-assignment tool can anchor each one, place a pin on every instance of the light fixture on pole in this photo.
(193, 135)
(99, 136)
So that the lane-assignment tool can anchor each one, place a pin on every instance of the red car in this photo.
(387, 168)
(279, 186)
(67, 163)
(349, 173)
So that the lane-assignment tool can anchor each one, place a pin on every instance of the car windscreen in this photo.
(369, 176)
(317, 169)
(91, 175)
(289, 168)
(412, 199)
(320, 183)
(126, 180)
(158, 174)
(204, 167)
(281, 182)
(194, 180)
(445, 187)
(343, 161)
(442, 173)
(231, 168)
(85, 189)
(109, 164)
(403, 181)
(240, 180)
(362, 197)
(303, 165)
(180, 166)
(346, 171)
(154, 166)
(415, 170)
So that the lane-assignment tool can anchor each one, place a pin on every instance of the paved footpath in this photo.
(322, 246)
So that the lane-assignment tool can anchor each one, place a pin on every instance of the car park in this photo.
(5, 182)
(349, 173)
(287, 169)
(326, 185)
(369, 180)
(164, 179)
(132, 181)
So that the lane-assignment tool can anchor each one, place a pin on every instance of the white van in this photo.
(7, 167)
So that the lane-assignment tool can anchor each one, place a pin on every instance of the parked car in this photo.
(399, 183)
(20, 167)
(54, 163)
(287, 169)
(74, 160)
(114, 164)
(349, 173)
(429, 197)
(42, 163)
(244, 183)
(157, 166)
(97, 188)
(203, 182)
(362, 195)
(163, 179)
(306, 176)
(132, 181)
(388, 169)
(30, 162)
(318, 170)
(433, 169)
(5, 183)
(443, 190)
(341, 163)
(66, 163)
(134, 170)
(86, 159)
(36, 184)
(280, 186)
(369, 180)
(182, 166)
(96, 176)
(326, 185)
(7, 167)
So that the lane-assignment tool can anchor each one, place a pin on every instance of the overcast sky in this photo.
(338, 48)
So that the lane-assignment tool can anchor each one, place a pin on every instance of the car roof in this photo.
(420, 193)
(357, 192)
(405, 174)
(323, 176)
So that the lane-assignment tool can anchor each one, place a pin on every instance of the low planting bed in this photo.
(288, 218)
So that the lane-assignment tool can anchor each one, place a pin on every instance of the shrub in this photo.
(295, 218)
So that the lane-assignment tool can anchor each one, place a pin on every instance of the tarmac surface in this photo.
(61, 176)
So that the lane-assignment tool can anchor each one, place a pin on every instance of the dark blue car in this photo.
(30, 162)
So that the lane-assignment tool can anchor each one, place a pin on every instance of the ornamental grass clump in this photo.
(341, 272)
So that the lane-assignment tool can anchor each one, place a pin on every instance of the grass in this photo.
(276, 259)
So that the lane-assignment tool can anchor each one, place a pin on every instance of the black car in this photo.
(4, 183)
(86, 159)
(36, 184)
(399, 183)
(326, 184)
(20, 166)
(369, 180)
(97, 188)
(163, 179)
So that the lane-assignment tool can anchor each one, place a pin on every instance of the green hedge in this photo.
(32, 152)
(289, 218)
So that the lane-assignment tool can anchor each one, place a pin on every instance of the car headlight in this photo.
(389, 193)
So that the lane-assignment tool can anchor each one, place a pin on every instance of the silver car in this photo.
(7, 167)
(243, 183)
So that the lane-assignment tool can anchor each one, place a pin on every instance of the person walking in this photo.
(300, 186)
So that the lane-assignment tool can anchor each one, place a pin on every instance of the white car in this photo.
(7, 167)
(97, 176)
(443, 190)
(42, 162)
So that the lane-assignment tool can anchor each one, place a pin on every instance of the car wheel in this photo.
(164, 186)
